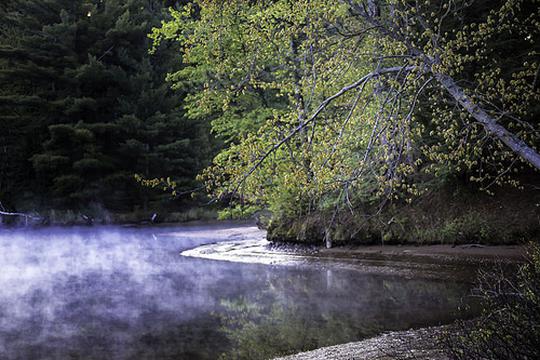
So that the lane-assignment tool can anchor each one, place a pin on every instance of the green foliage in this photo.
(441, 216)
(238, 212)
(259, 71)
(493, 46)
(86, 107)
(251, 64)
(509, 327)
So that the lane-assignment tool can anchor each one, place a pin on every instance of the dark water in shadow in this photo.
(111, 293)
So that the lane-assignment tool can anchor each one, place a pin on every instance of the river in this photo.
(127, 293)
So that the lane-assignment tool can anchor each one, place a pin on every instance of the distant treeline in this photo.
(84, 107)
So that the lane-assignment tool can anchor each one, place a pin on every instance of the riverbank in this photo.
(403, 345)
(101, 216)
(433, 261)
(451, 214)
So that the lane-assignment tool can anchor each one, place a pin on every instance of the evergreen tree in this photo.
(85, 107)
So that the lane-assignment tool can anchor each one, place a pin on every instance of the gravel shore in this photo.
(399, 345)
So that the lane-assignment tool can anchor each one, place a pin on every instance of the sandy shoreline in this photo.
(434, 261)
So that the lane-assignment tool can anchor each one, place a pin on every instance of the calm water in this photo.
(112, 293)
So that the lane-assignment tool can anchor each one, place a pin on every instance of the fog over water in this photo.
(116, 293)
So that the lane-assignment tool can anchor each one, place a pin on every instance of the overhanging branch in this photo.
(317, 112)
(511, 140)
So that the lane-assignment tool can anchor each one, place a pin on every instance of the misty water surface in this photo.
(113, 293)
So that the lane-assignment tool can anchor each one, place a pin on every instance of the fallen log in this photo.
(25, 216)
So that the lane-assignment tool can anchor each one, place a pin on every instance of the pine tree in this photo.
(86, 107)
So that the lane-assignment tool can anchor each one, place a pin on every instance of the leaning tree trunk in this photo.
(517, 145)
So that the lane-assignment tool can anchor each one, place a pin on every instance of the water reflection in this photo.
(113, 293)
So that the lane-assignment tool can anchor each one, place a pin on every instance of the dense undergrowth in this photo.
(509, 327)
(451, 214)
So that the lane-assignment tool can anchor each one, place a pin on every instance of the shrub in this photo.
(509, 327)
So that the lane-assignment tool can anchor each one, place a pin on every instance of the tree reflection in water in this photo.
(288, 316)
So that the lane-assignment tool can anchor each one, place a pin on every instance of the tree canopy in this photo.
(317, 106)
(85, 107)
(327, 105)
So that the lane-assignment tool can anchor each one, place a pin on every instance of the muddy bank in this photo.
(435, 261)
(453, 213)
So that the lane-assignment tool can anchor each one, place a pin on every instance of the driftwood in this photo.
(23, 215)
(89, 220)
